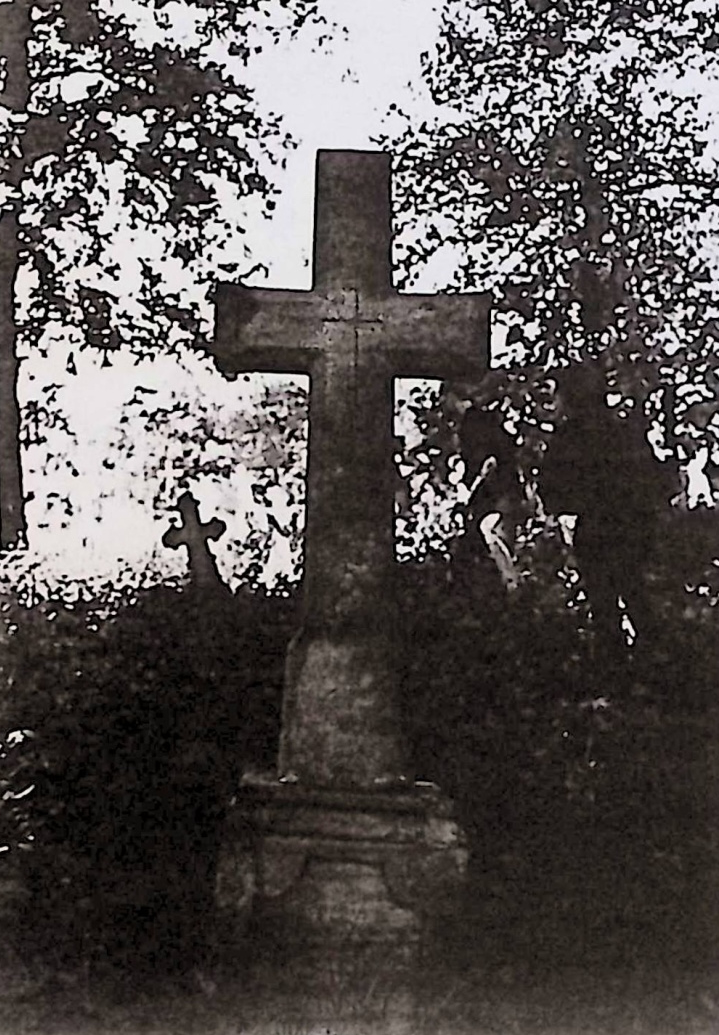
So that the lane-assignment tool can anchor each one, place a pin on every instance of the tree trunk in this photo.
(12, 525)
(14, 33)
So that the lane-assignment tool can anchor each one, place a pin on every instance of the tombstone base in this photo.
(341, 878)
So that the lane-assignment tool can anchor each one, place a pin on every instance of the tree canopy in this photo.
(568, 166)
(571, 169)
(134, 159)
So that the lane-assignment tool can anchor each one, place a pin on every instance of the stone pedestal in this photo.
(341, 877)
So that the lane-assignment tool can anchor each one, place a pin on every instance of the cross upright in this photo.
(194, 534)
(353, 333)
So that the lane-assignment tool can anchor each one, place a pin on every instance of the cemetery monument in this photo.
(348, 847)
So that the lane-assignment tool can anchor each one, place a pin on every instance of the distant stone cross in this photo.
(194, 535)
(353, 333)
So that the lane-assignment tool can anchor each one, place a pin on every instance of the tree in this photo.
(120, 130)
(570, 171)
(15, 28)
(570, 167)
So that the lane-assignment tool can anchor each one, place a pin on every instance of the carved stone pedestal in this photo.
(341, 877)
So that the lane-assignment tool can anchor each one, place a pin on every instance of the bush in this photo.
(584, 783)
(140, 725)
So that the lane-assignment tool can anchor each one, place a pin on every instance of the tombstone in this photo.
(206, 595)
(194, 534)
(350, 850)
(203, 766)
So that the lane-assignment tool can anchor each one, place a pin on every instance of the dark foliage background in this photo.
(586, 782)
(141, 726)
(585, 787)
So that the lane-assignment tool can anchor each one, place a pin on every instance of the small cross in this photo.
(194, 535)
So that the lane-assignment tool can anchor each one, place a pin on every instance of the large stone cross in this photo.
(353, 333)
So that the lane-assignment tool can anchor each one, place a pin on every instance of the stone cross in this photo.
(194, 535)
(353, 333)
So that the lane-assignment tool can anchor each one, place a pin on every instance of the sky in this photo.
(338, 97)
(335, 94)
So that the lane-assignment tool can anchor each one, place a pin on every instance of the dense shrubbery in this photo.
(583, 783)
(140, 725)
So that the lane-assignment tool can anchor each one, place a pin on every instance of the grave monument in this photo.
(193, 534)
(349, 849)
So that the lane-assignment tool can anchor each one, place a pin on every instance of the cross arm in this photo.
(261, 329)
(431, 335)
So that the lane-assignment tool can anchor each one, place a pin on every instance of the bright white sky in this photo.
(338, 98)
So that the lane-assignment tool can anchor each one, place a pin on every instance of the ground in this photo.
(480, 1001)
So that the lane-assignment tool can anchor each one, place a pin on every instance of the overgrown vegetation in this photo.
(131, 735)
(584, 783)
(585, 778)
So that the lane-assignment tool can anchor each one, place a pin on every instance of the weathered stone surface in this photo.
(349, 851)
(335, 869)
(194, 534)
(353, 333)
(236, 881)
(340, 721)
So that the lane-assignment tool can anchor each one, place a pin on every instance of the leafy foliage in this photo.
(140, 726)
(131, 139)
(577, 188)
(131, 169)
(584, 782)
(570, 169)
(139, 729)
